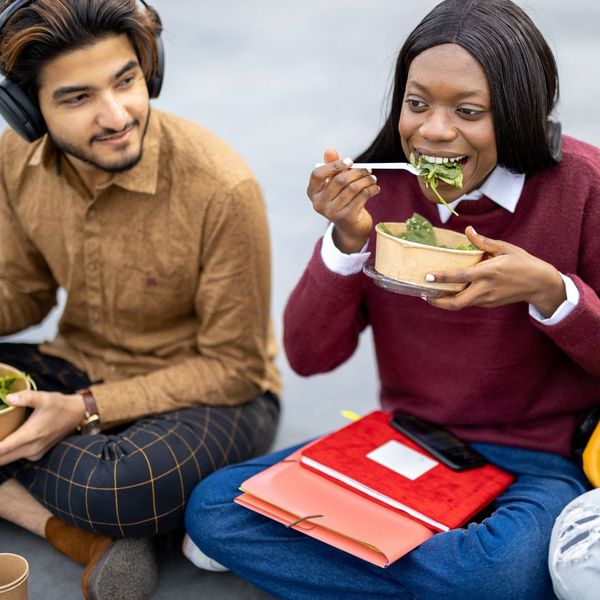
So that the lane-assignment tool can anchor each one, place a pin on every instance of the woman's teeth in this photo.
(441, 160)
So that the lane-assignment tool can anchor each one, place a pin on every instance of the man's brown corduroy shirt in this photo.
(166, 268)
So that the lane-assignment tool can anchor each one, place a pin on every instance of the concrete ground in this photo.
(280, 81)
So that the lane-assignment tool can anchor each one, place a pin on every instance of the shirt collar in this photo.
(502, 187)
(41, 152)
(142, 178)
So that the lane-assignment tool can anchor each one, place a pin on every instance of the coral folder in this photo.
(310, 503)
(338, 490)
(421, 487)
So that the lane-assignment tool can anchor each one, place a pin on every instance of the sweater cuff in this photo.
(564, 310)
(339, 262)
(582, 325)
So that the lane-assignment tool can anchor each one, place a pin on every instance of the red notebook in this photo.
(372, 458)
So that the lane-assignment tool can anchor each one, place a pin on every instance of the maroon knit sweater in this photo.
(492, 375)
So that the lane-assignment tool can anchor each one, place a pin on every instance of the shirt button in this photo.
(93, 266)
(96, 315)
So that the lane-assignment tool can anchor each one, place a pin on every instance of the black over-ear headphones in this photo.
(23, 114)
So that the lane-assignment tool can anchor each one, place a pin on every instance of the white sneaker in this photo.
(198, 558)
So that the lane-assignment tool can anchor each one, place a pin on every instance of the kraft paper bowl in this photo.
(11, 417)
(409, 261)
(14, 575)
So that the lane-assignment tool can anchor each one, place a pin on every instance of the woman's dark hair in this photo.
(520, 69)
(41, 31)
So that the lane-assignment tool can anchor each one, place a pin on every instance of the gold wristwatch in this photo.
(91, 422)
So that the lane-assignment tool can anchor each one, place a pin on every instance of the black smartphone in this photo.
(439, 442)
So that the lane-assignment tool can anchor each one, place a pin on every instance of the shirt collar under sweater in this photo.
(502, 186)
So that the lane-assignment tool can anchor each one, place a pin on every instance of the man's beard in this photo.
(117, 166)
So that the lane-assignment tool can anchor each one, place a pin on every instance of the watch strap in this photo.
(91, 421)
(91, 408)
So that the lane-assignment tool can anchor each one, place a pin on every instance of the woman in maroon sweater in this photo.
(512, 363)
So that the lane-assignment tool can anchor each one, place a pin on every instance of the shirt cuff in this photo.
(564, 310)
(338, 262)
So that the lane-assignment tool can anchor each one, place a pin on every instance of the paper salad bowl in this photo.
(410, 261)
(11, 417)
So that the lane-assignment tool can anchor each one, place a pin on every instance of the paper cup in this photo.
(14, 575)
(408, 261)
(11, 417)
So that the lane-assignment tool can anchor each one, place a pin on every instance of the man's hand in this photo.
(54, 417)
(509, 275)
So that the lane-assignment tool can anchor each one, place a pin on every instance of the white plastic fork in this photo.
(378, 166)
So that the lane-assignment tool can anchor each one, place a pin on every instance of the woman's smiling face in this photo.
(446, 113)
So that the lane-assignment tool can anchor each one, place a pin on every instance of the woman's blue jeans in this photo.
(505, 557)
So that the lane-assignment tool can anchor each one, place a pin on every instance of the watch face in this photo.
(91, 426)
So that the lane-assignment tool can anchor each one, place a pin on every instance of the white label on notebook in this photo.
(403, 460)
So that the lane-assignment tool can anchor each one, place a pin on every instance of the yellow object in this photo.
(591, 457)
(352, 416)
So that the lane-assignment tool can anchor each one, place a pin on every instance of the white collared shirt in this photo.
(502, 187)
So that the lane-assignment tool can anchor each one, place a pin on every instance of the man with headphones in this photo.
(163, 366)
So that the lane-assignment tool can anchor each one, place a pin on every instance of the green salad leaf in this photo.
(382, 227)
(6, 383)
(420, 230)
(450, 173)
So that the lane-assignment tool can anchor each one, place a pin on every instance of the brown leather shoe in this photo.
(116, 569)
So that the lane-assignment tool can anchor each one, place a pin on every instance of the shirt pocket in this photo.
(148, 303)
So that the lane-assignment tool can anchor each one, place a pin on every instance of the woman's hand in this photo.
(509, 275)
(340, 193)
(54, 417)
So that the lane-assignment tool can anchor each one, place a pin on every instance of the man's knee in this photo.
(122, 493)
(574, 557)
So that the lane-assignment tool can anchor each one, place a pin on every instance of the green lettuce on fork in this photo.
(432, 173)
(6, 383)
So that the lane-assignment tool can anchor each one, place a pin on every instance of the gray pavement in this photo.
(280, 81)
